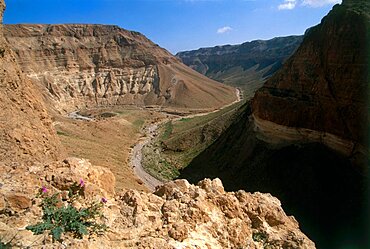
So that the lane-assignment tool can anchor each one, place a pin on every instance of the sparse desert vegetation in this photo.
(181, 139)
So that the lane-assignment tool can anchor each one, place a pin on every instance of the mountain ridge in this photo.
(85, 65)
(245, 65)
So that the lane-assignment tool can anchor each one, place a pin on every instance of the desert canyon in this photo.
(258, 145)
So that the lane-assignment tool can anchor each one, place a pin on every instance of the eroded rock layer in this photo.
(90, 65)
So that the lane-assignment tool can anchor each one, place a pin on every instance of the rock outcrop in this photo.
(304, 138)
(26, 132)
(177, 215)
(247, 65)
(94, 65)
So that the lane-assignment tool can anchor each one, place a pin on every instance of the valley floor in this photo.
(118, 137)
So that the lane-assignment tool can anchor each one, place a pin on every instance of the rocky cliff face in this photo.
(92, 65)
(26, 132)
(305, 136)
(247, 65)
(323, 89)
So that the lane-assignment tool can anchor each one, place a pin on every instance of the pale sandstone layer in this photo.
(84, 65)
(280, 135)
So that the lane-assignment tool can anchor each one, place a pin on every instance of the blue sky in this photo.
(179, 25)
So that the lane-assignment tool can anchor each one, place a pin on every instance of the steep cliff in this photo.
(90, 65)
(26, 132)
(247, 65)
(304, 138)
(322, 91)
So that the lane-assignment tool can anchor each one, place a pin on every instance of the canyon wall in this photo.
(324, 88)
(94, 65)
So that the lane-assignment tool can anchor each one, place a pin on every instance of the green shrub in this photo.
(5, 245)
(259, 237)
(60, 216)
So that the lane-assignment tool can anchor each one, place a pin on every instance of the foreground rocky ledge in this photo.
(176, 215)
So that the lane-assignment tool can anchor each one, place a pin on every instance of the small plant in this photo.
(5, 245)
(259, 237)
(60, 216)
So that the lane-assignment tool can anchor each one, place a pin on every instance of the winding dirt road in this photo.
(136, 157)
(151, 132)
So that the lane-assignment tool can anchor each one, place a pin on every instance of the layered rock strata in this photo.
(94, 65)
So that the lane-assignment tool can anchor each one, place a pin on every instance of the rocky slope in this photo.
(26, 129)
(177, 215)
(304, 138)
(247, 65)
(90, 65)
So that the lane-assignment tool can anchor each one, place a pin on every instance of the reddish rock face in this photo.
(324, 85)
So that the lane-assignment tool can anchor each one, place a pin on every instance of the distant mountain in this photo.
(84, 65)
(246, 65)
(305, 137)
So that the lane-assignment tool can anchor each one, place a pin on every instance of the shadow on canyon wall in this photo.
(325, 192)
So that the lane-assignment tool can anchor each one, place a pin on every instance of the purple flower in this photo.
(104, 200)
(44, 189)
(82, 183)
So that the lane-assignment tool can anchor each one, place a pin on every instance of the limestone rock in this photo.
(305, 136)
(178, 215)
(181, 215)
(2, 204)
(18, 201)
